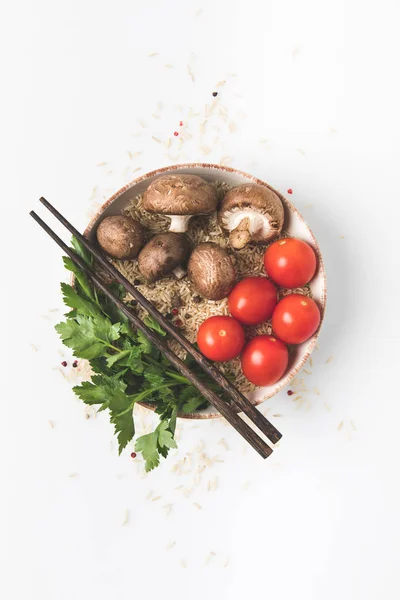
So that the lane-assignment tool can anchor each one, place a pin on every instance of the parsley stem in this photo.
(139, 397)
(114, 348)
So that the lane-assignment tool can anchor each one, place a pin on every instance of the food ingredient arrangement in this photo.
(200, 253)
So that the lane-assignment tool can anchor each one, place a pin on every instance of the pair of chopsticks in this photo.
(223, 407)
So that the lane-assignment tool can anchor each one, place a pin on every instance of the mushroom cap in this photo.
(180, 195)
(243, 200)
(120, 236)
(211, 271)
(162, 254)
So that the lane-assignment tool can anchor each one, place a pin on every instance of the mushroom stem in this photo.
(179, 272)
(179, 223)
(240, 236)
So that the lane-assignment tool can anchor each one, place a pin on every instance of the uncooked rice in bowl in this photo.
(178, 300)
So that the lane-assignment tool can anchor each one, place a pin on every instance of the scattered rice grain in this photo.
(307, 371)
(316, 391)
(126, 517)
(183, 563)
(73, 475)
(209, 557)
(328, 360)
(197, 505)
(51, 424)
(170, 545)
(155, 498)
(190, 72)
(152, 54)
(168, 508)
(205, 149)
(156, 139)
(295, 51)
(223, 443)
(340, 425)
(353, 425)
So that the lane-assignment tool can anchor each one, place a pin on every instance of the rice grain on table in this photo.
(190, 73)
(194, 309)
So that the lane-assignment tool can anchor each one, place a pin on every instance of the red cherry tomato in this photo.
(290, 263)
(296, 318)
(220, 338)
(252, 300)
(264, 360)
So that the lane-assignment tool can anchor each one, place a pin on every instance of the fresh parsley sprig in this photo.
(128, 368)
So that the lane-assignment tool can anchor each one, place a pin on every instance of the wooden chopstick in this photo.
(234, 419)
(265, 426)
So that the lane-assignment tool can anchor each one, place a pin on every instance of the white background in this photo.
(311, 103)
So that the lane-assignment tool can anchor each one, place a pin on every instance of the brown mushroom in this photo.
(251, 213)
(163, 255)
(120, 236)
(211, 271)
(180, 197)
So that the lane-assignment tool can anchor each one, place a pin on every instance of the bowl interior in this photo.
(295, 225)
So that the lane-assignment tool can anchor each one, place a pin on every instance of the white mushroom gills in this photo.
(244, 224)
(179, 223)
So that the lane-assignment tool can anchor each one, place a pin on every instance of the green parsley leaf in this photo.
(147, 445)
(118, 356)
(89, 338)
(144, 343)
(165, 439)
(154, 444)
(81, 251)
(153, 375)
(91, 393)
(74, 300)
(110, 392)
(80, 276)
(124, 428)
(152, 324)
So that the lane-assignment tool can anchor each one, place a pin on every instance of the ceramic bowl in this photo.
(295, 225)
